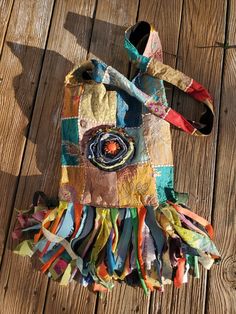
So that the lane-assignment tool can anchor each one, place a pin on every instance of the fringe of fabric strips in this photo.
(142, 246)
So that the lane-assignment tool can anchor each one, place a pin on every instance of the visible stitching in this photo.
(191, 82)
(68, 118)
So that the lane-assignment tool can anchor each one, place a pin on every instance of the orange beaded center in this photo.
(112, 147)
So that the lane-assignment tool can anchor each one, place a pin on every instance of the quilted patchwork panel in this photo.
(141, 154)
(100, 188)
(136, 186)
(98, 104)
(72, 183)
(164, 182)
(70, 142)
(148, 176)
(72, 97)
(158, 140)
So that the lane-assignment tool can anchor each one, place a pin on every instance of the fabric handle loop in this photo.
(154, 67)
(101, 73)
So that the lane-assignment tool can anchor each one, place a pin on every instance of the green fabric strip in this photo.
(134, 217)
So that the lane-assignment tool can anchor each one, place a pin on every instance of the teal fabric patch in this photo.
(129, 110)
(122, 108)
(70, 142)
(164, 183)
(133, 54)
(140, 154)
(152, 86)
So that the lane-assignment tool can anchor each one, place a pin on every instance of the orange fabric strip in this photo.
(53, 230)
(52, 259)
(98, 287)
(38, 235)
(202, 221)
(78, 212)
(178, 280)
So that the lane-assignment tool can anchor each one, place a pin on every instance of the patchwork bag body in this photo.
(118, 215)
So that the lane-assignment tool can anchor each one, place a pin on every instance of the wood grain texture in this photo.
(222, 279)
(203, 24)
(112, 19)
(71, 299)
(28, 25)
(123, 299)
(19, 71)
(41, 165)
(167, 21)
(5, 12)
(31, 95)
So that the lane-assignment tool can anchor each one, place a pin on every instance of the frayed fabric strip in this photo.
(110, 245)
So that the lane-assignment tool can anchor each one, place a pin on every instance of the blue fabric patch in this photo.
(122, 108)
(140, 154)
(70, 142)
(152, 86)
(164, 183)
(129, 110)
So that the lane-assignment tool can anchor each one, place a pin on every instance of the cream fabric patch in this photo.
(158, 140)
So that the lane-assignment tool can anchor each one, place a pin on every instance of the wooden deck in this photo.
(40, 41)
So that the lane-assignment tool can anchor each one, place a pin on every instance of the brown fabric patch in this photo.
(72, 97)
(72, 183)
(158, 140)
(136, 186)
(101, 188)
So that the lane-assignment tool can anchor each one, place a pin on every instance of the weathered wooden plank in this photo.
(222, 279)
(41, 165)
(123, 299)
(112, 19)
(203, 24)
(29, 24)
(19, 71)
(5, 12)
(73, 26)
(167, 20)
(71, 299)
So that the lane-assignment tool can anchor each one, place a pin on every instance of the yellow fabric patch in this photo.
(98, 104)
(25, 248)
(158, 140)
(136, 186)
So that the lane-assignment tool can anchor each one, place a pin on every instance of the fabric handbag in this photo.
(118, 215)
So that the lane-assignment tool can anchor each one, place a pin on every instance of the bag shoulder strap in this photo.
(154, 67)
(95, 71)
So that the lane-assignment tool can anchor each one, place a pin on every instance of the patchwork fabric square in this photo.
(164, 182)
(70, 142)
(97, 104)
(140, 154)
(71, 101)
(136, 186)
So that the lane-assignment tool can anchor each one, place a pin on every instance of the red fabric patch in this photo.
(198, 92)
(179, 121)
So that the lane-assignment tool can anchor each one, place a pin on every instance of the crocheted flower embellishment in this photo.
(110, 149)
